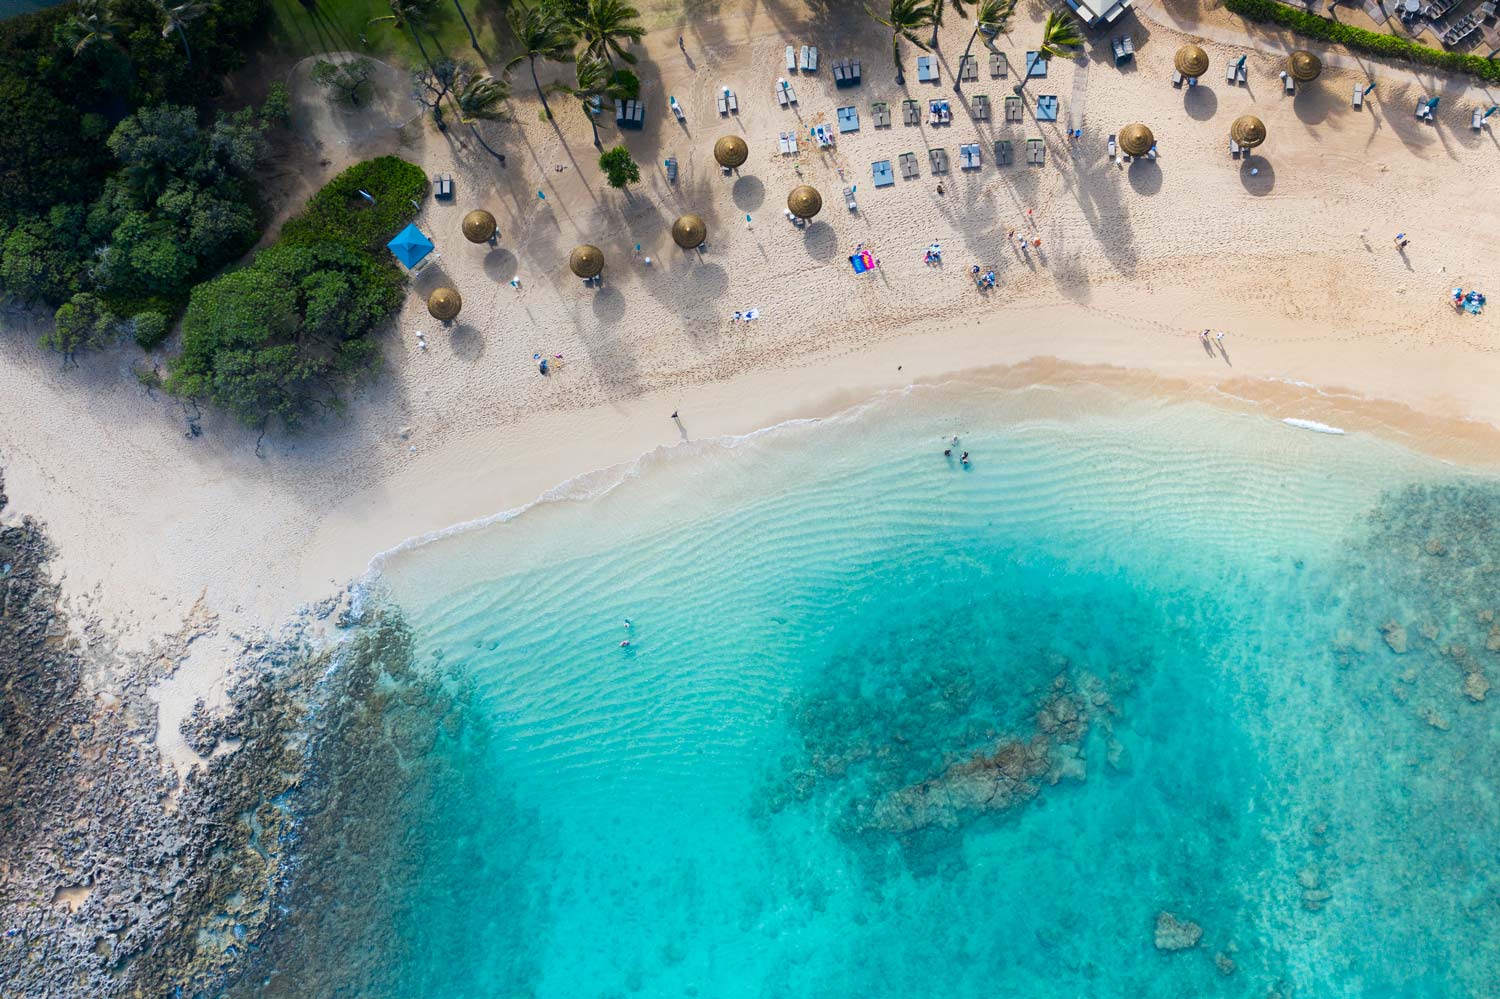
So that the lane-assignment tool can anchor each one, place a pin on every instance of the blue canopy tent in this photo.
(410, 246)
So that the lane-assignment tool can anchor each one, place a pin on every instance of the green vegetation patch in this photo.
(1358, 39)
(283, 337)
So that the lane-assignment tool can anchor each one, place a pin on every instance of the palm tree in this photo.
(990, 18)
(543, 34)
(597, 80)
(606, 26)
(473, 39)
(937, 15)
(907, 18)
(93, 23)
(478, 98)
(410, 15)
(1060, 34)
(175, 17)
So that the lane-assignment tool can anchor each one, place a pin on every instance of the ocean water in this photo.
(890, 726)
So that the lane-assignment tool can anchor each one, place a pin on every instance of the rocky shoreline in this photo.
(116, 878)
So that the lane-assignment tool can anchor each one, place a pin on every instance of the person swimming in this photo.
(963, 459)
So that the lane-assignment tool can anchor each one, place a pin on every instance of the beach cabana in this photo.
(1191, 61)
(586, 261)
(410, 246)
(1136, 139)
(804, 201)
(730, 151)
(689, 232)
(1248, 130)
(479, 226)
(1303, 66)
(444, 304)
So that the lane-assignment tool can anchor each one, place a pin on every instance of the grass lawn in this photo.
(337, 26)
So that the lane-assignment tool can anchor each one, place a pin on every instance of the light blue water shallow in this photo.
(1169, 614)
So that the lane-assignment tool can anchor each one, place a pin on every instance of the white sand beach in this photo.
(1290, 251)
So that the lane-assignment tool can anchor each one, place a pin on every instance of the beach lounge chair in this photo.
(926, 70)
(671, 165)
(1035, 64)
(630, 114)
(1476, 120)
(880, 113)
(1151, 153)
(1046, 107)
(938, 113)
(1231, 72)
(848, 119)
(1288, 84)
(881, 171)
(999, 65)
(1358, 100)
(1113, 149)
(781, 93)
(788, 143)
(981, 107)
(937, 160)
(724, 101)
(823, 135)
(1176, 78)
(849, 199)
(968, 156)
(1003, 153)
(1036, 152)
(908, 163)
(911, 113)
(442, 186)
(1013, 108)
(968, 68)
(1235, 149)
(791, 58)
(1124, 48)
(787, 91)
(809, 58)
(1424, 110)
(846, 73)
(676, 109)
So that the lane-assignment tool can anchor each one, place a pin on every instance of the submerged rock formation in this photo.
(1174, 933)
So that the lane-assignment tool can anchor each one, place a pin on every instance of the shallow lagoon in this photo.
(890, 726)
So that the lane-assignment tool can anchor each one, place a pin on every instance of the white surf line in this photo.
(1313, 425)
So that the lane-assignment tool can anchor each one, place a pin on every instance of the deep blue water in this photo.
(887, 726)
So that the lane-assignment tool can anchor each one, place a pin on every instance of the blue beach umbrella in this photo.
(410, 246)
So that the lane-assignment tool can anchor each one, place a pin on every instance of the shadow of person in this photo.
(749, 193)
(821, 241)
(609, 305)
(1257, 175)
(681, 427)
(500, 265)
(1145, 176)
(1223, 350)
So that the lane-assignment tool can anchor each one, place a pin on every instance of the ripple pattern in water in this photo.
(1150, 700)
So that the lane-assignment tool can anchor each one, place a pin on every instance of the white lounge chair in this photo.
(1288, 82)
(1359, 97)
(1112, 147)
(791, 58)
(1176, 78)
(677, 109)
(1234, 149)
(1477, 121)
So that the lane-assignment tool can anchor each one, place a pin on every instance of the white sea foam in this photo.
(1313, 425)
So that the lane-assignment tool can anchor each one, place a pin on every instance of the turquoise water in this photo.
(887, 726)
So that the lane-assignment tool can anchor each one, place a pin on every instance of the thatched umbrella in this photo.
(586, 261)
(1192, 61)
(1136, 139)
(1303, 66)
(689, 232)
(479, 226)
(731, 151)
(804, 201)
(444, 304)
(1248, 130)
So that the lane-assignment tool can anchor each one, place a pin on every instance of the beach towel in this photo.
(862, 261)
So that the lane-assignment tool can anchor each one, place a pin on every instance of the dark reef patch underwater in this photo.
(1098, 717)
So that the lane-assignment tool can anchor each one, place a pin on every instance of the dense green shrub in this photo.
(619, 169)
(339, 214)
(283, 336)
(41, 256)
(150, 329)
(1360, 40)
(82, 321)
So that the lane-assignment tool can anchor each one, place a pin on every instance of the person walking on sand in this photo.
(681, 45)
(1219, 336)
